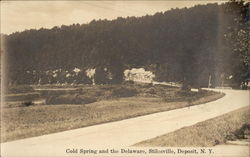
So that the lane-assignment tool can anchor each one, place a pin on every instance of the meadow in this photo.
(86, 105)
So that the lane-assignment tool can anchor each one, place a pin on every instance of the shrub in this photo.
(186, 87)
(243, 132)
(150, 90)
(27, 103)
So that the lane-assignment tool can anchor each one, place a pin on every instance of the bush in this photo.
(186, 87)
(243, 132)
(150, 91)
(27, 103)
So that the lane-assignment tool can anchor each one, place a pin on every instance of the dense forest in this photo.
(188, 44)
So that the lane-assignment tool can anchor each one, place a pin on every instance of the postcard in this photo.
(125, 78)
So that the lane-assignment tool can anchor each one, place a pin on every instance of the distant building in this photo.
(139, 75)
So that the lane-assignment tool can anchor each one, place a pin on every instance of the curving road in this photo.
(126, 132)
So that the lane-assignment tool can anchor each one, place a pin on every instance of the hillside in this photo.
(180, 44)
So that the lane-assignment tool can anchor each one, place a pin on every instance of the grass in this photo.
(204, 134)
(19, 89)
(87, 94)
(111, 103)
(22, 96)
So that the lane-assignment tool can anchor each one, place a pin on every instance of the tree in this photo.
(238, 37)
(183, 43)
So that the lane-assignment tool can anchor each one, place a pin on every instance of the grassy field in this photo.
(111, 103)
(208, 133)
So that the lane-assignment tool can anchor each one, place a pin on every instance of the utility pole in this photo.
(209, 81)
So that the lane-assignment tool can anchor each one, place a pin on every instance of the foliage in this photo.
(176, 44)
(27, 103)
(238, 38)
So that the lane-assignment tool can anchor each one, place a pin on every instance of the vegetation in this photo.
(238, 37)
(27, 103)
(19, 89)
(210, 132)
(241, 133)
(187, 96)
(85, 94)
(22, 96)
(181, 44)
(90, 105)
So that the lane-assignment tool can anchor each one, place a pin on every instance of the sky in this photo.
(22, 15)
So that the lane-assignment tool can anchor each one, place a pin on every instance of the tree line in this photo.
(188, 44)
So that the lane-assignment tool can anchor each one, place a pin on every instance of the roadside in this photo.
(233, 126)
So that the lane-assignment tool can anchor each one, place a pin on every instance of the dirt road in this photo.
(126, 132)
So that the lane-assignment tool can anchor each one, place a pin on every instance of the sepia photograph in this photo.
(125, 78)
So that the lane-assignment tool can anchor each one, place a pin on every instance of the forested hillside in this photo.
(180, 44)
